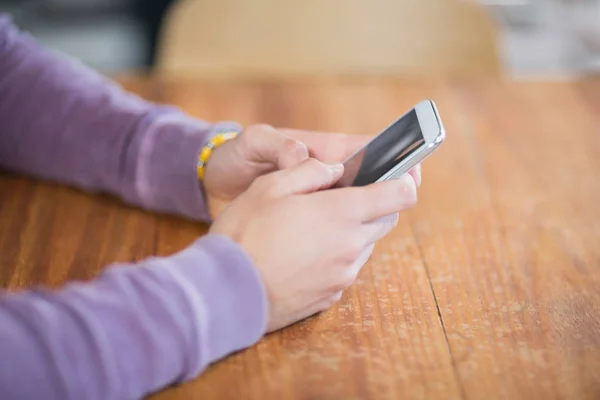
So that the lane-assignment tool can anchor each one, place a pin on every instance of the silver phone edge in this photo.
(411, 162)
(419, 155)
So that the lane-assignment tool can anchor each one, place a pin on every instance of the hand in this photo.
(261, 149)
(335, 147)
(309, 244)
(331, 147)
(235, 164)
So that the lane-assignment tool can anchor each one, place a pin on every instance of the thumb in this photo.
(309, 176)
(265, 144)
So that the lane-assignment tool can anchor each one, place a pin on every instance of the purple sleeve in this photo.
(63, 122)
(133, 330)
(136, 328)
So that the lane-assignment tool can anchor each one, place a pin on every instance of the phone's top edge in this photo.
(442, 134)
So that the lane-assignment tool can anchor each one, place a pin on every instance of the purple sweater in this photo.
(136, 328)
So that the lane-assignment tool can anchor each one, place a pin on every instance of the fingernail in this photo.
(302, 149)
(338, 167)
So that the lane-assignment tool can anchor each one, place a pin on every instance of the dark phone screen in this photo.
(384, 152)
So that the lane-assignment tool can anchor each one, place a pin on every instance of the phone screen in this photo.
(384, 152)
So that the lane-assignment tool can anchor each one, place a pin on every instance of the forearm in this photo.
(63, 122)
(135, 329)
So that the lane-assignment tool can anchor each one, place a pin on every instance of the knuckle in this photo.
(386, 223)
(392, 221)
(353, 250)
(400, 194)
(332, 300)
(338, 296)
(350, 257)
(411, 197)
(346, 281)
(408, 190)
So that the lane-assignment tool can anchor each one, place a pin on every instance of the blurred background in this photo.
(526, 39)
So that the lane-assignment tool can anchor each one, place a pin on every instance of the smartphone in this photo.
(400, 147)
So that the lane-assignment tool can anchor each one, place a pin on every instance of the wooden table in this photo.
(488, 289)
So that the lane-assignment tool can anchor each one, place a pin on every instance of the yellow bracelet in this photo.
(207, 150)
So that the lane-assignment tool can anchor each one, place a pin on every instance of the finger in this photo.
(310, 176)
(265, 144)
(386, 198)
(362, 259)
(391, 219)
(374, 231)
(416, 174)
(374, 201)
(347, 276)
(328, 146)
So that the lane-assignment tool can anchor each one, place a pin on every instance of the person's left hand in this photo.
(260, 149)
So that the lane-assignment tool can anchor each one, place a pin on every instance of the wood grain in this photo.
(489, 288)
(513, 254)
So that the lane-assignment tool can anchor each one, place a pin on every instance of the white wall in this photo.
(543, 38)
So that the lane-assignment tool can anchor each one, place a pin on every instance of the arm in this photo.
(135, 329)
(62, 122)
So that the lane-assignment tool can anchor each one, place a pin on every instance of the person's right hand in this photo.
(309, 244)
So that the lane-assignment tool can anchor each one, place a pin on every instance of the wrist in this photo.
(166, 175)
(221, 134)
(205, 154)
